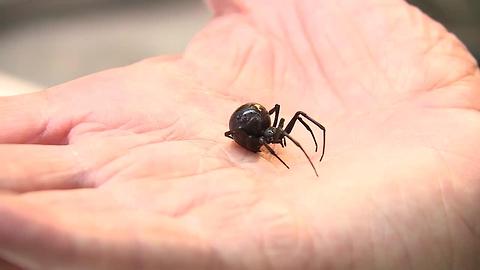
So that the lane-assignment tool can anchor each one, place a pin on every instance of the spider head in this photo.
(272, 135)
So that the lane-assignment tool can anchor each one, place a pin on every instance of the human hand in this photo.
(129, 168)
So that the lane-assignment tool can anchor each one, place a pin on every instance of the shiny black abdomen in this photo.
(252, 119)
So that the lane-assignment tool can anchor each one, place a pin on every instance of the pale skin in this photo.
(129, 168)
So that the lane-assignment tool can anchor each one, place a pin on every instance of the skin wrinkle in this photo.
(121, 174)
(96, 173)
(369, 54)
(464, 220)
(133, 127)
(261, 246)
(280, 74)
(198, 202)
(264, 242)
(46, 120)
(142, 259)
(449, 258)
(391, 224)
(205, 155)
(442, 107)
(437, 43)
(205, 113)
(418, 18)
(287, 44)
(287, 40)
(351, 244)
(414, 15)
(112, 235)
(270, 35)
(273, 71)
(310, 236)
(320, 249)
(70, 137)
(466, 158)
(220, 95)
(451, 251)
(245, 162)
(173, 129)
(241, 65)
(244, 221)
(73, 178)
(366, 48)
(321, 69)
(351, 248)
(460, 77)
(470, 228)
(228, 158)
(192, 205)
(295, 242)
(176, 178)
(86, 128)
(449, 262)
(19, 178)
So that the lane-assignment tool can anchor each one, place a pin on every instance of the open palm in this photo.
(129, 168)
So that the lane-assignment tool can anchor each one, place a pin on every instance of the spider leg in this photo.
(276, 111)
(230, 133)
(303, 150)
(290, 125)
(283, 141)
(311, 132)
(278, 137)
(270, 149)
(281, 123)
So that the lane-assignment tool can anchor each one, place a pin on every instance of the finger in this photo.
(27, 119)
(37, 167)
(35, 237)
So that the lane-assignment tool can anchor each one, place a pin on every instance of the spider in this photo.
(250, 126)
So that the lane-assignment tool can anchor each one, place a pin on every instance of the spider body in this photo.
(251, 127)
(251, 121)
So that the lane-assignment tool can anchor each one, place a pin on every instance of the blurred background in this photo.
(47, 42)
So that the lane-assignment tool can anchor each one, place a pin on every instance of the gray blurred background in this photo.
(47, 42)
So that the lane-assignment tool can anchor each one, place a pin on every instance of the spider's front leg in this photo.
(270, 149)
(296, 117)
(279, 137)
(276, 111)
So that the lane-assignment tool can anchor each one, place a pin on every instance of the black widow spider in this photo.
(250, 126)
